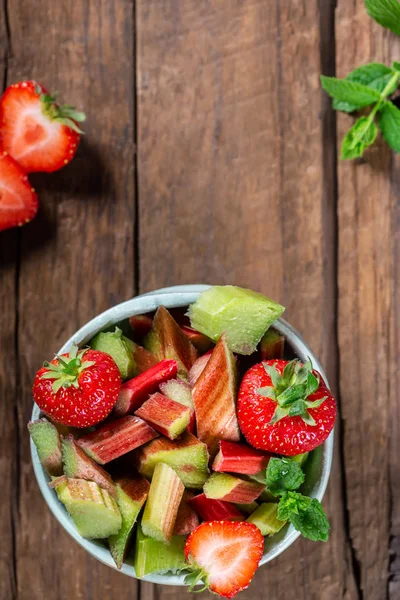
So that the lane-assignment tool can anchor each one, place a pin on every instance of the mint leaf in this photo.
(396, 66)
(306, 515)
(386, 13)
(358, 138)
(356, 94)
(282, 475)
(373, 75)
(389, 123)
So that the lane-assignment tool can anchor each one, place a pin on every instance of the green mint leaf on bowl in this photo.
(373, 75)
(350, 92)
(283, 475)
(358, 138)
(389, 123)
(306, 515)
(386, 13)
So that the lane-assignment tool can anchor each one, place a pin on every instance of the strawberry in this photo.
(224, 555)
(38, 133)
(78, 389)
(285, 407)
(18, 201)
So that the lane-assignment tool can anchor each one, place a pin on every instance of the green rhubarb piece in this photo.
(221, 486)
(152, 556)
(166, 340)
(78, 465)
(264, 517)
(272, 345)
(119, 347)
(248, 509)
(165, 495)
(300, 459)
(265, 495)
(92, 509)
(187, 456)
(178, 390)
(48, 445)
(243, 315)
(131, 495)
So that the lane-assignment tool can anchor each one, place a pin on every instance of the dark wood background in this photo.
(210, 156)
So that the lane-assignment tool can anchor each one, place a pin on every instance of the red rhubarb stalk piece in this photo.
(164, 414)
(141, 324)
(180, 391)
(186, 519)
(215, 510)
(221, 486)
(144, 359)
(135, 391)
(116, 438)
(272, 345)
(198, 368)
(214, 399)
(201, 342)
(239, 458)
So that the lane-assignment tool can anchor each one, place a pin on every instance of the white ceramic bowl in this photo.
(318, 466)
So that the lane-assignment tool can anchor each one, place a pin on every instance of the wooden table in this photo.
(210, 156)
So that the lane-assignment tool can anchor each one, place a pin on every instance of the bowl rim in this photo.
(170, 297)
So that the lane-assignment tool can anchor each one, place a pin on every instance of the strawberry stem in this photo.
(66, 115)
(68, 369)
(291, 389)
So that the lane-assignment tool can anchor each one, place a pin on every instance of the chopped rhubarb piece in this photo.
(79, 465)
(214, 398)
(187, 455)
(131, 495)
(265, 517)
(180, 391)
(144, 359)
(215, 510)
(166, 340)
(166, 416)
(165, 495)
(135, 391)
(300, 459)
(152, 556)
(198, 368)
(221, 486)
(119, 347)
(243, 316)
(272, 345)
(116, 438)
(187, 519)
(248, 509)
(239, 458)
(201, 342)
(93, 510)
(141, 324)
(48, 445)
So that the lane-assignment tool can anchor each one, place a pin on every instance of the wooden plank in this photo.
(77, 255)
(231, 190)
(369, 325)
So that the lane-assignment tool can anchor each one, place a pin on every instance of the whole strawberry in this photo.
(78, 389)
(285, 407)
(38, 133)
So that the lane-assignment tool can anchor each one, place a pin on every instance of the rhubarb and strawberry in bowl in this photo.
(185, 437)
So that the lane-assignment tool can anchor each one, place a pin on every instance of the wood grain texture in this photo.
(231, 190)
(77, 256)
(368, 213)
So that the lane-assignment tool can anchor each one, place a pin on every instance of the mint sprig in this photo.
(370, 85)
(283, 475)
(306, 514)
(386, 13)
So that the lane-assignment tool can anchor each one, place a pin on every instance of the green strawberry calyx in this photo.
(291, 390)
(68, 369)
(66, 115)
(197, 574)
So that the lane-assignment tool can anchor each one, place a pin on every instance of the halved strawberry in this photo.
(224, 555)
(38, 133)
(18, 201)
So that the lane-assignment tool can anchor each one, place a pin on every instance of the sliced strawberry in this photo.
(18, 201)
(224, 556)
(36, 132)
